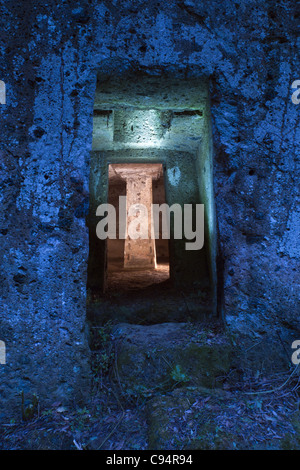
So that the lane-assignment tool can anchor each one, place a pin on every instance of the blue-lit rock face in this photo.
(51, 55)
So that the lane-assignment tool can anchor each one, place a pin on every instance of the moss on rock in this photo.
(163, 357)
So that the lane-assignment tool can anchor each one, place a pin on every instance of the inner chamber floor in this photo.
(120, 279)
(147, 297)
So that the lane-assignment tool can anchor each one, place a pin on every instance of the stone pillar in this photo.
(139, 253)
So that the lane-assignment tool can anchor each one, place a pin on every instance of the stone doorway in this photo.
(154, 121)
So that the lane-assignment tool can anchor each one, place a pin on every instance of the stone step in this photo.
(157, 358)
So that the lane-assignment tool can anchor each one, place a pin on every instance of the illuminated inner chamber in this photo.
(142, 184)
(139, 247)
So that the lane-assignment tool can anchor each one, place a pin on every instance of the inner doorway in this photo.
(136, 263)
(142, 120)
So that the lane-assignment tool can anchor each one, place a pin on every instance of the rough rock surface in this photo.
(50, 55)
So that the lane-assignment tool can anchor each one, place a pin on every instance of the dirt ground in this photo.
(255, 412)
(247, 409)
(180, 419)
